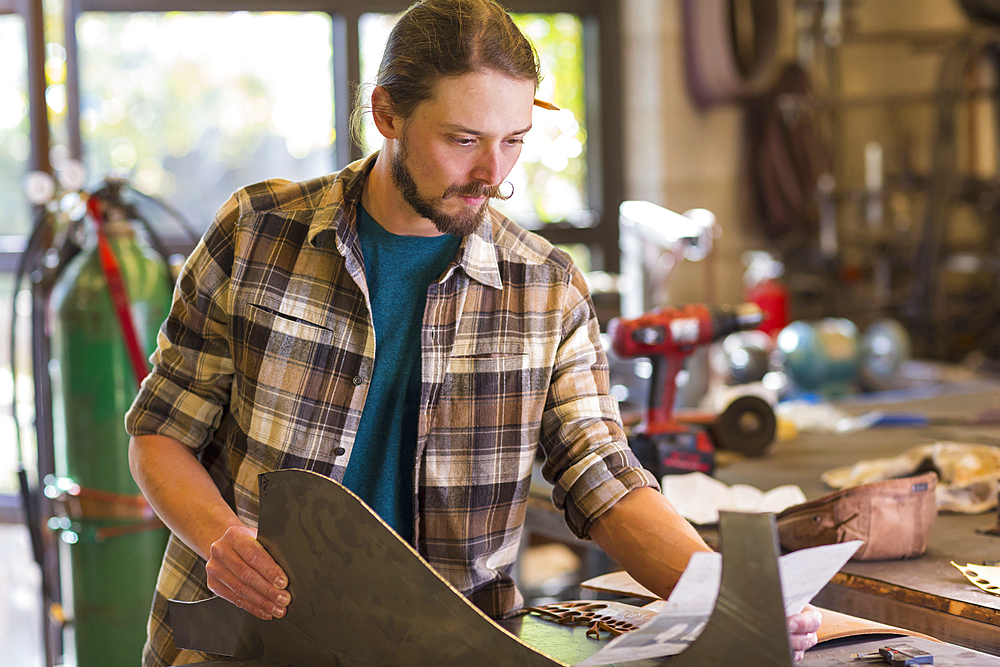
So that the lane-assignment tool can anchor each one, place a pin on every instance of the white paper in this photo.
(698, 497)
(803, 574)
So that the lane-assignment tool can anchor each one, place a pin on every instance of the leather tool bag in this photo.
(893, 518)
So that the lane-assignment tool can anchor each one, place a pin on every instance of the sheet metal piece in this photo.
(747, 626)
(360, 595)
(603, 619)
(986, 577)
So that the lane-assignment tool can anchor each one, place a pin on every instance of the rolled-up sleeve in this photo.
(185, 393)
(587, 457)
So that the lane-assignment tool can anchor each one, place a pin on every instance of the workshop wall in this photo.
(888, 80)
(681, 156)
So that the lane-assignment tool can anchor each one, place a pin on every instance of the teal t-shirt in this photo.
(398, 270)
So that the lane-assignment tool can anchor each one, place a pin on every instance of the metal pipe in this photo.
(70, 13)
(34, 19)
(37, 109)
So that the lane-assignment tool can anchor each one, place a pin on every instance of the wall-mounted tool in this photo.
(650, 234)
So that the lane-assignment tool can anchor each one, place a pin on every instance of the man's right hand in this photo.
(240, 570)
(184, 495)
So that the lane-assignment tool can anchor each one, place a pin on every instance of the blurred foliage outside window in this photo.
(192, 106)
(550, 179)
(25, 397)
(15, 142)
(15, 150)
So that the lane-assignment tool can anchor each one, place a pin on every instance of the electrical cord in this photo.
(39, 225)
(788, 155)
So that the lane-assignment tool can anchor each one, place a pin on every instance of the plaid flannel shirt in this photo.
(264, 359)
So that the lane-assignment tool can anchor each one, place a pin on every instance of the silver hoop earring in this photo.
(506, 197)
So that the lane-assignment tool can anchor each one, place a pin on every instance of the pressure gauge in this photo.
(39, 187)
(72, 175)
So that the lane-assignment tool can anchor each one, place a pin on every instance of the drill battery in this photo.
(674, 453)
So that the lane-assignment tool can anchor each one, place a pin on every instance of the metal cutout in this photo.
(363, 597)
(610, 618)
(747, 626)
(360, 595)
(986, 577)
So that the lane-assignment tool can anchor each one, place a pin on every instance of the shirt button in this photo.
(358, 380)
(340, 451)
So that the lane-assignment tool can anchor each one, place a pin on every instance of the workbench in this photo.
(570, 645)
(925, 594)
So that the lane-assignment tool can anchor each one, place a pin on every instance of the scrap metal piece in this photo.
(360, 595)
(747, 626)
(613, 618)
(985, 577)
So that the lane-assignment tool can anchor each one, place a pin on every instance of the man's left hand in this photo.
(802, 629)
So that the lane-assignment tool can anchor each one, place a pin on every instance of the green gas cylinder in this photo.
(110, 541)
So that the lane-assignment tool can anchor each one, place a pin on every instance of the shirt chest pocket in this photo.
(282, 372)
(507, 357)
(487, 420)
(485, 385)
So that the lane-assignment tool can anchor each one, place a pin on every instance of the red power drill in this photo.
(667, 336)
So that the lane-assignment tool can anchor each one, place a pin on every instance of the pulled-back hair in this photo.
(434, 39)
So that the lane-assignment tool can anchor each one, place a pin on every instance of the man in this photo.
(385, 327)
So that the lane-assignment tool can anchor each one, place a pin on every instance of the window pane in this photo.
(553, 166)
(25, 387)
(15, 144)
(550, 178)
(193, 105)
(373, 31)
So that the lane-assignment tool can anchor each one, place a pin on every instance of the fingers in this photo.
(802, 629)
(802, 642)
(806, 621)
(241, 571)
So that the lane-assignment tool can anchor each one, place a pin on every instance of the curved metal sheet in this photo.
(747, 626)
(360, 595)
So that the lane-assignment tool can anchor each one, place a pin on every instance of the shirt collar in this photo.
(478, 254)
(338, 209)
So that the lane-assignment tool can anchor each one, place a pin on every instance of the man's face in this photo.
(455, 150)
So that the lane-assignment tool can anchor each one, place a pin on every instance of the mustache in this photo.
(476, 190)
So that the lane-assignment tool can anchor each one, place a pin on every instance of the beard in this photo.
(459, 224)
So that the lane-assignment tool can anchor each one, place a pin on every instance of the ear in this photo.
(386, 122)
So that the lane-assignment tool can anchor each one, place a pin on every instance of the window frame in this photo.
(602, 74)
(30, 12)
(604, 108)
(12, 246)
